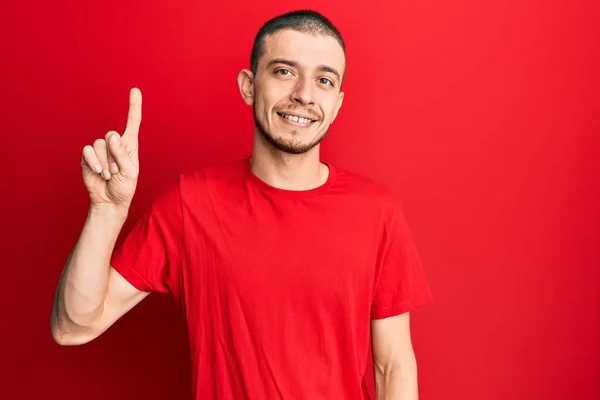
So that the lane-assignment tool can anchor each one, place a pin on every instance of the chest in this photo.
(287, 257)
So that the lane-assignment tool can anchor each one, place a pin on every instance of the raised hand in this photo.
(110, 167)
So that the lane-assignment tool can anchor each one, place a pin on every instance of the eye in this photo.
(326, 81)
(283, 71)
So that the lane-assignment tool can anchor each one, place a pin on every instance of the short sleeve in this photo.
(401, 284)
(149, 256)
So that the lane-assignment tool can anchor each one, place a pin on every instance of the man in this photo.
(287, 268)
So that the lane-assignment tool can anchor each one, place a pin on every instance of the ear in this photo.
(246, 85)
(339, 105)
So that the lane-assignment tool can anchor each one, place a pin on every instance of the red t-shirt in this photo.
(278, 286)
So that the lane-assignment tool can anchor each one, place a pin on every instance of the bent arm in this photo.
(91, 295)
(394, 359)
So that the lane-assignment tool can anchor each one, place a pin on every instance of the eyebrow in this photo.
(294, 64)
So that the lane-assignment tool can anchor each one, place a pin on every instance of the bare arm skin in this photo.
(91, 295)
(394, 359)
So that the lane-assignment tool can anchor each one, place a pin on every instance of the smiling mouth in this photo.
(296, 120)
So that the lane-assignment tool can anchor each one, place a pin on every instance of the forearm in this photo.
(398, 382)
(83, 285)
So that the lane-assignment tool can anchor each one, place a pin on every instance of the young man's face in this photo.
(296, 90)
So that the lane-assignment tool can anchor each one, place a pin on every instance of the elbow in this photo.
(66, 338)
(60, 334)
(59, 337)
(68, 334)
(385, 371)
(404, 368)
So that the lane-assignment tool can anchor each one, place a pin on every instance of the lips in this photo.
(297, 118)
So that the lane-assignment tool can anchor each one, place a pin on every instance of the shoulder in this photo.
(219, 173)
(199, 186)
(361, 186)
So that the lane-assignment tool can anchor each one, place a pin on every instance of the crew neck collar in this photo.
(286, 192)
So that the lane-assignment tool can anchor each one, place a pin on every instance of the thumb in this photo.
(122, 158)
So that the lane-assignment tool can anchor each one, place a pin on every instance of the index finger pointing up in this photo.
(134, 117)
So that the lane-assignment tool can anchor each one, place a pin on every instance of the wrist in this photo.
(107, 212)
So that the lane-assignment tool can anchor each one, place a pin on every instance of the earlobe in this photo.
(246, 86)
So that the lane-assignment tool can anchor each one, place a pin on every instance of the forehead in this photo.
(308, 49)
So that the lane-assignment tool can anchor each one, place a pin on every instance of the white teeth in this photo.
(297, 119)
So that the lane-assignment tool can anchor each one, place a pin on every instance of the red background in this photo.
(482, 115)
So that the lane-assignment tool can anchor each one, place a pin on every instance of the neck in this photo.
(288, 171)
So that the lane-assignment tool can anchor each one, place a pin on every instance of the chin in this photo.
(290, 142)
(288, 145)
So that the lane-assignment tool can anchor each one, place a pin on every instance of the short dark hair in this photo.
(308, 21)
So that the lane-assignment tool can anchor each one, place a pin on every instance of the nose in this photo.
(303, 92)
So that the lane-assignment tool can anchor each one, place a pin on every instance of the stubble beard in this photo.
(282, 144)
